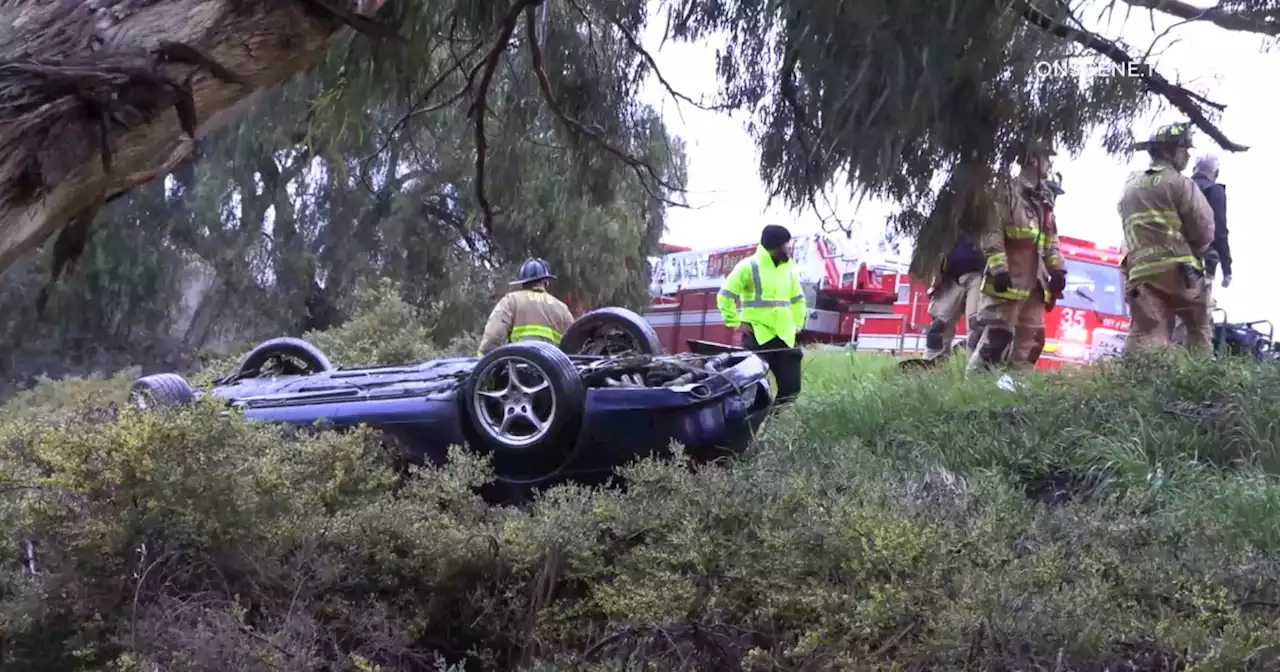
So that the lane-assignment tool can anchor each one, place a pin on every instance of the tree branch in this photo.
(479, 106)
(803, 126)
(84, 122)
(634, 42)
(423, 108)
(639, 167)
(1214, 15)
(1186, 102)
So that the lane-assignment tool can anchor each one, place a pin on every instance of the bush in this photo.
(886, 522)
(384, 330)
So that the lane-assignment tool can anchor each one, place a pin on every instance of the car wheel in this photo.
(294, 355)
(162, 390)
(525, 402)
(611, 331)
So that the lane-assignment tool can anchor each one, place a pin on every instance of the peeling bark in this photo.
(99, 96)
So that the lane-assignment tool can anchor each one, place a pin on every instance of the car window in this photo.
(1104, 284)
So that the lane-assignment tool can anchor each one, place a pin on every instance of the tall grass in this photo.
(1196, 435)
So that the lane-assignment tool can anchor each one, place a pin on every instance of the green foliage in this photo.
(49, 398)
(386, 331)
(383, 330)
(886, 522)
(896, 93)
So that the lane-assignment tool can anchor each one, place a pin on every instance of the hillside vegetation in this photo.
(1124, 517)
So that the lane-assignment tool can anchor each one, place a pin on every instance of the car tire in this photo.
(162, 390)
(558, 404)
(580, 337)
(296, 348)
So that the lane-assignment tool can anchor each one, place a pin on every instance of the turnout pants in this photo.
(783, 361)
(952, 299)
(1012, 332)
(1156, 302)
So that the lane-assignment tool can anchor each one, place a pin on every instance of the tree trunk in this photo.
(132, 77)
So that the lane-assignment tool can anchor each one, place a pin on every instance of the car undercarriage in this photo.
(606, 395)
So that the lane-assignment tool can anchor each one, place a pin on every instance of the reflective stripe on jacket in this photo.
(1022, 240)
(525, 314)
(1166, 220)
(770, 296)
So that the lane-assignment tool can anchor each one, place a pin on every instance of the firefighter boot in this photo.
(973, 332)
(935, 343)
(1028, 344)
(992, 348)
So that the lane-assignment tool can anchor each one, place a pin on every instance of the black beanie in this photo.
(774, 236)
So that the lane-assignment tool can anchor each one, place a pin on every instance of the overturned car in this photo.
(544, 413)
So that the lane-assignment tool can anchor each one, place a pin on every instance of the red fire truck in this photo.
(874, 305)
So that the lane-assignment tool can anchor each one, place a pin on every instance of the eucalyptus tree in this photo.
(331, 180)
(97, 96)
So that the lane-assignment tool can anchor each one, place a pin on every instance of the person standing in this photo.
(529, 312)
(1205, 176)
(955, 294)
(761, 299)
(1023, 266)
(1168, 229)
(1027, 351)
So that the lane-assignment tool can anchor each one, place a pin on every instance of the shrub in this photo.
(384, 330)
(883, 523)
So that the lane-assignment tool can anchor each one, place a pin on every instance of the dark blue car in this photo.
(544, 413)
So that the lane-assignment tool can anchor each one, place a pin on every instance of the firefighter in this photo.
(529, 312)
(1026, 353)
(1168, 229)
(1023, 266)
(955, 294)
(767, 287)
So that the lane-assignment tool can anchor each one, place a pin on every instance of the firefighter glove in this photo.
(1001, 282)
(1058, 283)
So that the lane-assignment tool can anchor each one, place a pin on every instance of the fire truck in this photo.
(863, 303)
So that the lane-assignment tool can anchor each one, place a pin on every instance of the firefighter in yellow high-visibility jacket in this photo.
(767, 287)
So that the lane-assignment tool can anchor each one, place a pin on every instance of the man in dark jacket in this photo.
(1206, 177)
(955, 294)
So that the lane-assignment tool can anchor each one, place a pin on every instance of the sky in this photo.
(729, 200)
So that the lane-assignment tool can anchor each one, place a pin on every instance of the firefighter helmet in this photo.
(1170, 135)
(532, 270)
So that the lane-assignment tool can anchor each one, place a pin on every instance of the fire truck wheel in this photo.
(611, 331)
